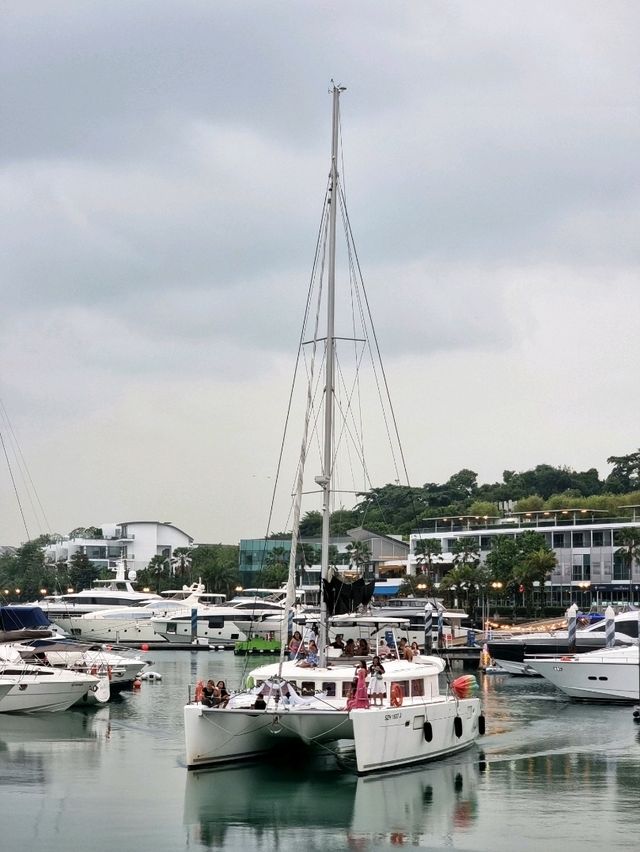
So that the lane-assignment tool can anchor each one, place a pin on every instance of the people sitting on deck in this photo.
(383, 649)
(296, 646)
(312, 658)
(349, 648)
(363, 648)
(338, 642)
(223, 693)
(415, 650)
(210, 694)
(407, 654)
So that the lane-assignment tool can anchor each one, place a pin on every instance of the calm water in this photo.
(547, 774)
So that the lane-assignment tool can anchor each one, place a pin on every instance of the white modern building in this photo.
(590, 567)
(133, 543)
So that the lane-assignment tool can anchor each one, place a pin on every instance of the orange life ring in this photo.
(396, 695)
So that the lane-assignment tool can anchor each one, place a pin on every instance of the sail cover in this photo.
(342, 598)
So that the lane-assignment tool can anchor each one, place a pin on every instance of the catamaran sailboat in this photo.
(315, 701)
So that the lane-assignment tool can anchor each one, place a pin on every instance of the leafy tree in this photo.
(530, 504)
(625, 475)
(502, 558)
(482, 508)
(217, 566)
(82, 572)
(310, 525)
(273, 576)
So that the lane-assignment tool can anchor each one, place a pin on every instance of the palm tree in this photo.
(426, 550)
(629, 550)
(359, 554)
(460, 579)
(180, 562)
(534, 567)
(466, 551)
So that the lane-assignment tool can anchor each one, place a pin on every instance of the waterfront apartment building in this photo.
(590, 567)
(133, 543)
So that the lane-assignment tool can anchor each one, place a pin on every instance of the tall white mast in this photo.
(325, 480)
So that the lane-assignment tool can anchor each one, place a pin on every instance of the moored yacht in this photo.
(42, 688)
(609, 674)
(103, 594)
(127, 624)
(512, 651)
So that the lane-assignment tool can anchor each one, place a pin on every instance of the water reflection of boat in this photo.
(431, 801)
(72, 729)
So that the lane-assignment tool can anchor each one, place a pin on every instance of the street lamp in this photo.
(421, 587)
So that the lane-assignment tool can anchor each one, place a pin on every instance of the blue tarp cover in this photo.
(383, 589)
(22, 617)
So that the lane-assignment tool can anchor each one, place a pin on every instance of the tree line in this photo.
(401, 509)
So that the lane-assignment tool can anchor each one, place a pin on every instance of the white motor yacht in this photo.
(103, 594)
(120, 668)
(238, 620)
(610, 674)
(42, 688)
(133, 624)
(512, 651)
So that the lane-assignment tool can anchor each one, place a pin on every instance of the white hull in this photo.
(389, 737)
(113, 630)
(610, 675)
(48, 692)
(319, 714)
(515, 668)
(215, 736)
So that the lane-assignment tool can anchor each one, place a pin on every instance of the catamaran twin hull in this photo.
(382, 738)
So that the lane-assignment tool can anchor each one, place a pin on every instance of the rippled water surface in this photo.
(548, 774)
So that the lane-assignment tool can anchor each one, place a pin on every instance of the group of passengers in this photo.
(215, 694)
(306, 653)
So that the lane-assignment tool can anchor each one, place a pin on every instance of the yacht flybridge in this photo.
(315, 700)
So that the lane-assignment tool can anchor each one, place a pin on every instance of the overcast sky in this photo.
(162, 172)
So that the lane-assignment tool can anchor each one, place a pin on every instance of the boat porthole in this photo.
(457, 726)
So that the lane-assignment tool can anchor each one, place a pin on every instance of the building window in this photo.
(558, 540)
(579, 539)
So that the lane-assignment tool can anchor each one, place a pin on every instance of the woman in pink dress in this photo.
(361, 701)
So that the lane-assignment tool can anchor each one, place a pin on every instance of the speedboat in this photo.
(512, 652)
(609, 674)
